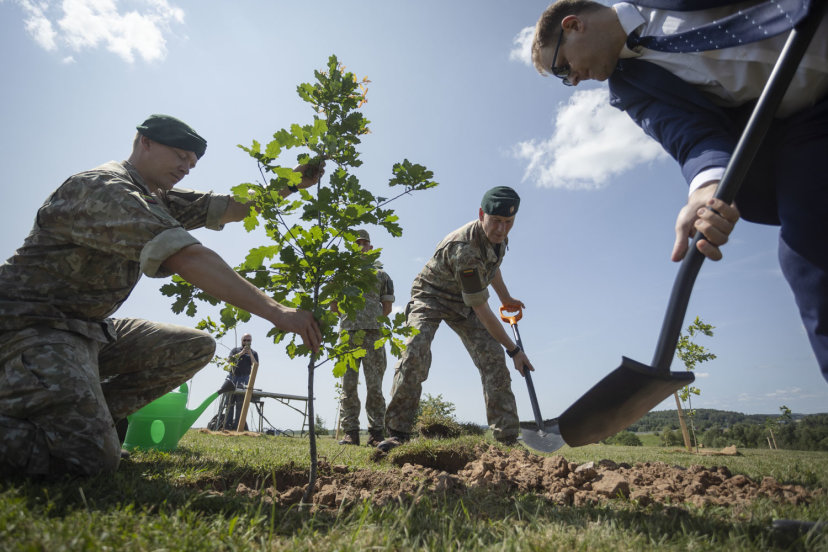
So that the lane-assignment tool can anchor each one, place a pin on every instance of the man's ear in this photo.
(480, 214)
(146, 143)
(572, 23)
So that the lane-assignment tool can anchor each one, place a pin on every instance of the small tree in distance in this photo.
(691, 354)
(312, 259)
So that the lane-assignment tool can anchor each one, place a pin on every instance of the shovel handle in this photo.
(533, 398)
(513, 318)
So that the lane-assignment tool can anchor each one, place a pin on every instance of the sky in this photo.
(451, 88)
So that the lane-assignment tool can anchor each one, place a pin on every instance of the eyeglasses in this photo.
(563, 71)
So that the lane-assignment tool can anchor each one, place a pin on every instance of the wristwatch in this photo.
(514, 351)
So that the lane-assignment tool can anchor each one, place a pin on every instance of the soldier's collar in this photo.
(136, 176)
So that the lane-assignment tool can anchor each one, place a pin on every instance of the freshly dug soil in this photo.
(517, 470)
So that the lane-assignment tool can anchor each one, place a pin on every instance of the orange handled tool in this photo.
(540, 435)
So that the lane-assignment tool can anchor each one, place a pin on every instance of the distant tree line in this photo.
(719, 428)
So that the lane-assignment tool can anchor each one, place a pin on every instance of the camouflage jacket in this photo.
(458, 275)
(91, 241)
(366, 319)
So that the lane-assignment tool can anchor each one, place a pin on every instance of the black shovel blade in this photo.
(545, 439)
(618, 400)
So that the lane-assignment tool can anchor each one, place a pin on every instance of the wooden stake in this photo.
(248, 395)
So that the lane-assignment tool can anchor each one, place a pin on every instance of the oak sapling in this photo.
(311, 258)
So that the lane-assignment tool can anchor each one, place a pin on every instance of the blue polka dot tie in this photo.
(751, 24)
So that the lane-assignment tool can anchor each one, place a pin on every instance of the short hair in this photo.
(549, 25)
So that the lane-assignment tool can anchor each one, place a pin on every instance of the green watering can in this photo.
(161, 423)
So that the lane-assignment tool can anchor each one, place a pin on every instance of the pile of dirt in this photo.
(518, 471)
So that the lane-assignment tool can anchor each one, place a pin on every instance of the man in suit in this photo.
(695, 104)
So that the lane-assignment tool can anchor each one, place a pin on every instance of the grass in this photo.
(187, 500)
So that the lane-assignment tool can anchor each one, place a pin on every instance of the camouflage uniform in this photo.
(69, 371)
(373, 363)
(453, 281)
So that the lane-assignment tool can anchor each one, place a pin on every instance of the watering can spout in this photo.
(190, 416)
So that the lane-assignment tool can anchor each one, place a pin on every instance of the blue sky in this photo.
(451, 89)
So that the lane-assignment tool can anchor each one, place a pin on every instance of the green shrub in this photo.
(471, 428)
(320, 426)
(434, 406)
(435, 418)
(625, 438)
(670, 438)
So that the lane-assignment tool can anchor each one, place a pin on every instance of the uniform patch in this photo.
(149, 199)
(470, 280)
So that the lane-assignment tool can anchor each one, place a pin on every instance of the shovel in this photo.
(633, 389)
(540, 435)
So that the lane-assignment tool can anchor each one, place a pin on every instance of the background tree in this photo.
(691, 354)
(670, 438)
(312, 258)
(625, 438)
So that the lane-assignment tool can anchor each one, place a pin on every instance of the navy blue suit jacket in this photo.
(694, 131)
(697, 133)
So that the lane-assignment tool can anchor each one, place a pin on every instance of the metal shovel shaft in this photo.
(533, 398)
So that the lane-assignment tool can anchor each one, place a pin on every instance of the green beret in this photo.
(363, 235)
(173, 132)
(501, 201)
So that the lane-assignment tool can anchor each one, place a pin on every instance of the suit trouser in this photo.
(486, 353)
(795, 157)
(802, 194)
(373, 367)
(61, 393)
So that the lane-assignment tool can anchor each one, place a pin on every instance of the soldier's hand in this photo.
(311, 174)
(513, 305)
(522, 363)
(302, 323)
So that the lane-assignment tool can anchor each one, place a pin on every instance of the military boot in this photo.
(375, 438)
(351, 438)
(397, 438)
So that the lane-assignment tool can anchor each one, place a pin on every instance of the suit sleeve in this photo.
(695, 132)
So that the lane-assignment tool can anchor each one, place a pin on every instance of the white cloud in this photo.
(793, 395)
(88, 24)
(38, 25)
(522, 46)
(590, 143)
(785, 393)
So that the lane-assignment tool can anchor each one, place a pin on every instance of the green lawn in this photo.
(190, 499)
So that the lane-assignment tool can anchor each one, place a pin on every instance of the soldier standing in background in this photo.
(377, 303)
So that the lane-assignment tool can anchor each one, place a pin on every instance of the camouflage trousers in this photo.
(61, 393)
(486, 353)
(373, 367)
